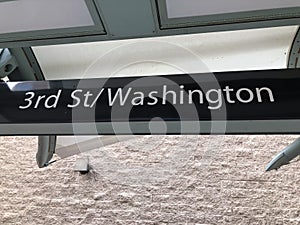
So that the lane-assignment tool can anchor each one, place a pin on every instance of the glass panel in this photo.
(189, 8)
(31, 15)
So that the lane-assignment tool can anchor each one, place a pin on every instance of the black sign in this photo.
(270, 95)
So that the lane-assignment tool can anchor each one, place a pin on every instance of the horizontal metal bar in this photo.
(172, 128)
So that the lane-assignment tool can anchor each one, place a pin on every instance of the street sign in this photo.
(227, 102)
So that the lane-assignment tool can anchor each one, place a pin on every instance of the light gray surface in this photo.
(224, 51)
(29, 15)
(187, 8)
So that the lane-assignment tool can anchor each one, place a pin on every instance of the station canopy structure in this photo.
(82, 39)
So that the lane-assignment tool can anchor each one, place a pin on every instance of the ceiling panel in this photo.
(221, 51)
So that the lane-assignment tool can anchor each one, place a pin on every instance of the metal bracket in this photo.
(82, 165)
(46, 149)
(285, 156)
(293, 61)
(8, 63)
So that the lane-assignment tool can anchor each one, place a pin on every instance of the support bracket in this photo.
(46, 149)
(8, 63)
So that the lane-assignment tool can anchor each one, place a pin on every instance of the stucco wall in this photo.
(153, 180)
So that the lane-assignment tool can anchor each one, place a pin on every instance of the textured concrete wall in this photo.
(153, 180)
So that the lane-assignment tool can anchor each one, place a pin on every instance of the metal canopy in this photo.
(115, 20)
